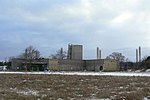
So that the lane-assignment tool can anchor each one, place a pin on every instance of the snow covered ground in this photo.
(67, 85)
(147, 74)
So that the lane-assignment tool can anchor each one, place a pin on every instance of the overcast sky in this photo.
(113, 25)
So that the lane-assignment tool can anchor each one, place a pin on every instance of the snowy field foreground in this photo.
(74, 86)
(147, 74)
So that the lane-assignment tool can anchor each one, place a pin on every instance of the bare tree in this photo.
(146, 62)
(60, 54)
(145, 58)
(30, 53)
(116, 56)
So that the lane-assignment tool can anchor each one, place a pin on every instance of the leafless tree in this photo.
(30, 53)
(116, 56)
(60, 54)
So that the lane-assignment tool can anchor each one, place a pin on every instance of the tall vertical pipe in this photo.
(100, 54)
(97, 52)
(139, 54)
(61, 53)
(136, 55)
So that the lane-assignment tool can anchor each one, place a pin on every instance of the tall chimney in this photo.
(136, 55)
(98, 52)
(139, 54)
(61, 53)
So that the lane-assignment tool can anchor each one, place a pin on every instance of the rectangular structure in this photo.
(75, 52)
(110, 65)
(53, 65)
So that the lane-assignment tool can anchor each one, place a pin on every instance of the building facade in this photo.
(30, 65)
(83, 65)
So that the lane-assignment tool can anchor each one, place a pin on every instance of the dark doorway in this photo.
(101, 68)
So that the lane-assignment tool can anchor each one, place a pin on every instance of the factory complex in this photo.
(73, 62)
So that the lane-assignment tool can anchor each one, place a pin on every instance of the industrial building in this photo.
(74, 62)
(30, 65)
(83, 65)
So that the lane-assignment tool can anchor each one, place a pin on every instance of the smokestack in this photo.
(136, 55)
(98, 52)
(139, 54)
(61, 52)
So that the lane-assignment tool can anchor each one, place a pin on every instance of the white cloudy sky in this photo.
(112, 25)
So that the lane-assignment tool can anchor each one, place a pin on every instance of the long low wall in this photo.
(81, 65)
(71, 65)
(66, 65)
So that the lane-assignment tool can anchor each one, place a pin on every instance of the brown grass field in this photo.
(63, 87)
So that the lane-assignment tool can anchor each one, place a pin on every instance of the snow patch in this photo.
(29, 92)
(137, 71)
(85, 73)
(148, 70)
